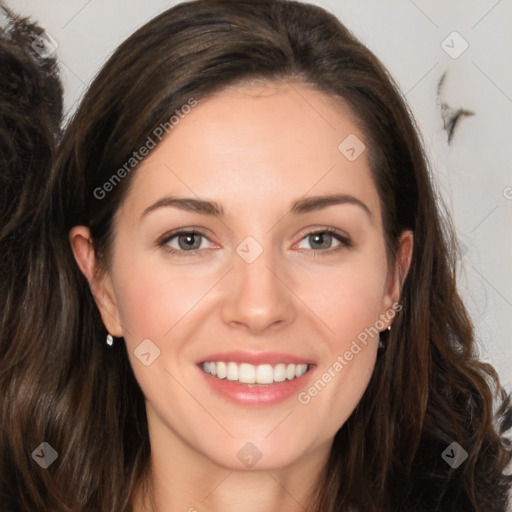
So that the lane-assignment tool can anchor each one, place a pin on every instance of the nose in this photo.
(257, 295)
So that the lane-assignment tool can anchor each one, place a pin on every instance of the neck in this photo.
(182, 479)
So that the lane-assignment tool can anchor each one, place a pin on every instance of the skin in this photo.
(254, 149)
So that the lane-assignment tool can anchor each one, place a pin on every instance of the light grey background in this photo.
(473, 174)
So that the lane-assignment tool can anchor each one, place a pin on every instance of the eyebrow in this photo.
(300, 206)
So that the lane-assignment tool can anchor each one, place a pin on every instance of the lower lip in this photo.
(257, 394)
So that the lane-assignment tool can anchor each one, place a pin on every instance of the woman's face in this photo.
(260, 290)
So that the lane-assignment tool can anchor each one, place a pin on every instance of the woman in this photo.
(183, 343)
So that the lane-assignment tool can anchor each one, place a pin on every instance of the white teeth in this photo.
(232, 372)
(246, 373)
(264, 374)
(280, 372)
(300, 369)
(221, 370)
(249, 374)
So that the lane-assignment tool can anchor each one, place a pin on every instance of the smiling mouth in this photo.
(245, 373)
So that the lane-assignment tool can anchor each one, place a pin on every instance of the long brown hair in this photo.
(30, 117)
(61, 384)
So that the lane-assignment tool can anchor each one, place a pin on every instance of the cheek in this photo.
(348, 352)
(347, 297)
(153, 298)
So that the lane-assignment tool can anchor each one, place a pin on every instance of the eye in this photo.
(321, 240)
(188, 242)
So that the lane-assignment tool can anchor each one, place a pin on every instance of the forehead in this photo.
(255, 145)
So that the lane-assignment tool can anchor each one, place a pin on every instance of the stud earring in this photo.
(381, 344)
(110, 340)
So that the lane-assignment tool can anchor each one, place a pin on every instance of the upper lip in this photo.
(253, 358)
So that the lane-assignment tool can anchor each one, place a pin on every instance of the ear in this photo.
(101, 286)
(399, 273)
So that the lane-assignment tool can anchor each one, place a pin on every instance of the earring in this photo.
(381, 345)
(110, 340)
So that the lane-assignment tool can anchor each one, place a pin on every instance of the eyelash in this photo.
(345, 242)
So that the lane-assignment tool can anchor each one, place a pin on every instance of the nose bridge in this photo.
(258, 297)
